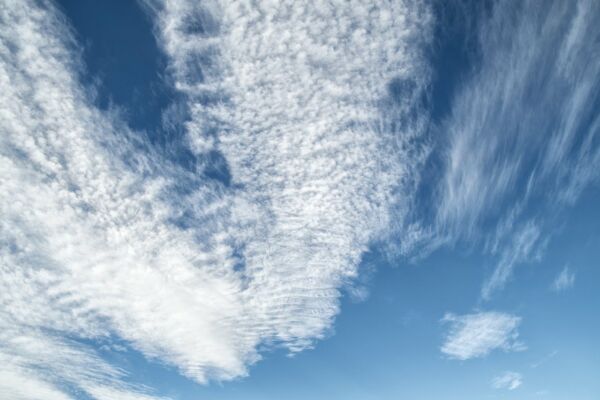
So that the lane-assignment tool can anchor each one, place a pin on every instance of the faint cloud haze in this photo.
(508, 380)
(564, 280)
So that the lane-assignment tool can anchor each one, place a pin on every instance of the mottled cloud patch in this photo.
(564, 280)
(316, 111)
(508, 380)
(476, 335)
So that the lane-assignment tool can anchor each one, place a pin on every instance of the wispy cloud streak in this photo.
(524, 129)
(564, 280)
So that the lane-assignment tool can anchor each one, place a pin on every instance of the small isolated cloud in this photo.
(544, 359)
(508, 380)
(563, 281)
(476, 335)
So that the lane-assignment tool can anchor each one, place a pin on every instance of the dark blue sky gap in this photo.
(121, 58)
(127, 70)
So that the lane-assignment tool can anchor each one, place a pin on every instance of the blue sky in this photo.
(275, 200)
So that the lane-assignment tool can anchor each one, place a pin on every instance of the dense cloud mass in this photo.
(295, 103)
(90, 216)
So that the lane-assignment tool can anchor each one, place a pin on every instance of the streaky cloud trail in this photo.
(523, 131)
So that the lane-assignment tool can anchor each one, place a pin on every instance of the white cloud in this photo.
(90, 249)
(523, 130)
(476, 335)
(316, 112)
(564, 280)
(35, 364)
(110, 393)
(508, 380)
(523, 242)
(302, 113)
(544, 359)
(19, 385)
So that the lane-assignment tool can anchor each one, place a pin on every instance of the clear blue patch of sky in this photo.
(122, 59)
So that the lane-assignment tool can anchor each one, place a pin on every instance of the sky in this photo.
(391, 199)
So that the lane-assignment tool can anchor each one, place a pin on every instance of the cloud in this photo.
(19, 385)
(544, 359)
(104, 237)
(523, 131)
(564, 280)
(476, 335)
(523, 242)
(316, 117)
(314, 121)
(508, 380)
(35, 364)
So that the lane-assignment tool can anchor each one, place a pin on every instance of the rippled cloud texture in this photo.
(318, 116)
